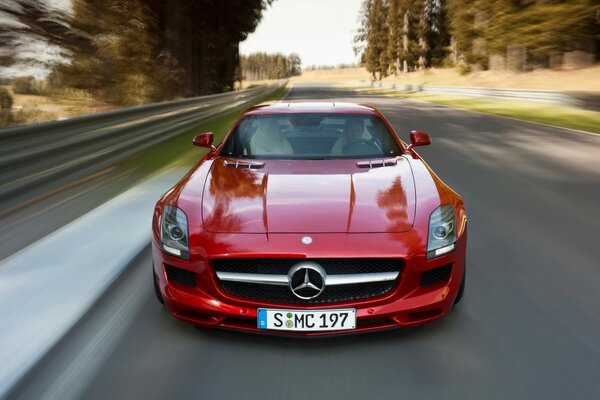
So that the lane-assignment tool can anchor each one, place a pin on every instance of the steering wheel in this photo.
(360, 147)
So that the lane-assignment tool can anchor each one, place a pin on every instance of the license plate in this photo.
(307, 320)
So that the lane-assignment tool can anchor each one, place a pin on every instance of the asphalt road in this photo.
(528, 326)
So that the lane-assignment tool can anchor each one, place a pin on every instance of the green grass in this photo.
(179, 151)
(565, 117)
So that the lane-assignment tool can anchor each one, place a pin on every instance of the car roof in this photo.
(311, 107)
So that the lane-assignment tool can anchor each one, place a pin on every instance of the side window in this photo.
(371, 131)
(378, 131)
(240, 138)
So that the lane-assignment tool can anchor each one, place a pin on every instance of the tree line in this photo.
(397, 36)
(259, 66)
(133, 51)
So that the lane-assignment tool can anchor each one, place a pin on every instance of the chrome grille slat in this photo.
(263, 279)
(330, 280)
(352, 279)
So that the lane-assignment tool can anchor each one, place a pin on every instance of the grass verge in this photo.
(564, 117)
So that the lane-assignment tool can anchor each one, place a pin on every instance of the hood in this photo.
(314, 196)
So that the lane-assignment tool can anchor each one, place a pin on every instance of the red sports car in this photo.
(310, 219)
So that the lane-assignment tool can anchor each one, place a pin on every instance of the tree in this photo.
(532, 31)
(377, 33)
(259, 66)
(436, 35)
(295, 64)
(361, 38)
(546, 28)
(413, 31)
(467, 21)
(132, 51)
(395, 21)
(6, 99)
(24, 85)
(203, 36)
(114, 55)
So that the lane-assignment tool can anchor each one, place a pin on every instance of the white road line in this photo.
(286, 93)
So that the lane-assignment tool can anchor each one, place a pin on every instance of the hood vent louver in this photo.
(377, 163)
(244, 164)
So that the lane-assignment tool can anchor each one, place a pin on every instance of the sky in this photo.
(320, 31)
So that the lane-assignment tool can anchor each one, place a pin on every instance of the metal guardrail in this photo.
(34, 158)
(509, 94)
(583, 100)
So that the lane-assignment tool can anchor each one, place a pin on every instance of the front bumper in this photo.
(408, 304)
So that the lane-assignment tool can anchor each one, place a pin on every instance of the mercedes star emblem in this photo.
(307, 280)
(307, 240)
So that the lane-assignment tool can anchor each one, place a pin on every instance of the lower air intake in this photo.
(436, 275)
(180, 276)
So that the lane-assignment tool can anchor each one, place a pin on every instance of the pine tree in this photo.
(526, 33)
(546, 28)
(413, 35)
(461, 13)
(437, 34)
(361, 37)
(376, 56)
(395, 21)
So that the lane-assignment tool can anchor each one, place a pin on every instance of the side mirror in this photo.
(204, 140)
(418, 138)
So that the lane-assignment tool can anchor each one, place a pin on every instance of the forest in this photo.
(131, 51)
(398, 36)
(259, 66)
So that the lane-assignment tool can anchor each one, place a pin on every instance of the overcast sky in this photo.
(320, 31)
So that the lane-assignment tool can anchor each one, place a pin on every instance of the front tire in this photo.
(461, 290)
(157, 288)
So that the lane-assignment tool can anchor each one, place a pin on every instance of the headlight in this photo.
(442, 231)
(174, 232)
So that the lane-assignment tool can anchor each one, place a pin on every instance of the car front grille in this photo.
(282, 294)
(338, 268)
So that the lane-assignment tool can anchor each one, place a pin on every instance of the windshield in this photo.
(311, 136)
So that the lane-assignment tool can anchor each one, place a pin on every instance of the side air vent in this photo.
(377, 163)
(244, 164)
(180, 276)
(436, 275)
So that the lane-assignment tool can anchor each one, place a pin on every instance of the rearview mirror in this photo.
(418, 138)
(204, 140)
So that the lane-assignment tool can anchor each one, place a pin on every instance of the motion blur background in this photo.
(100, 99)
(60, 58)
